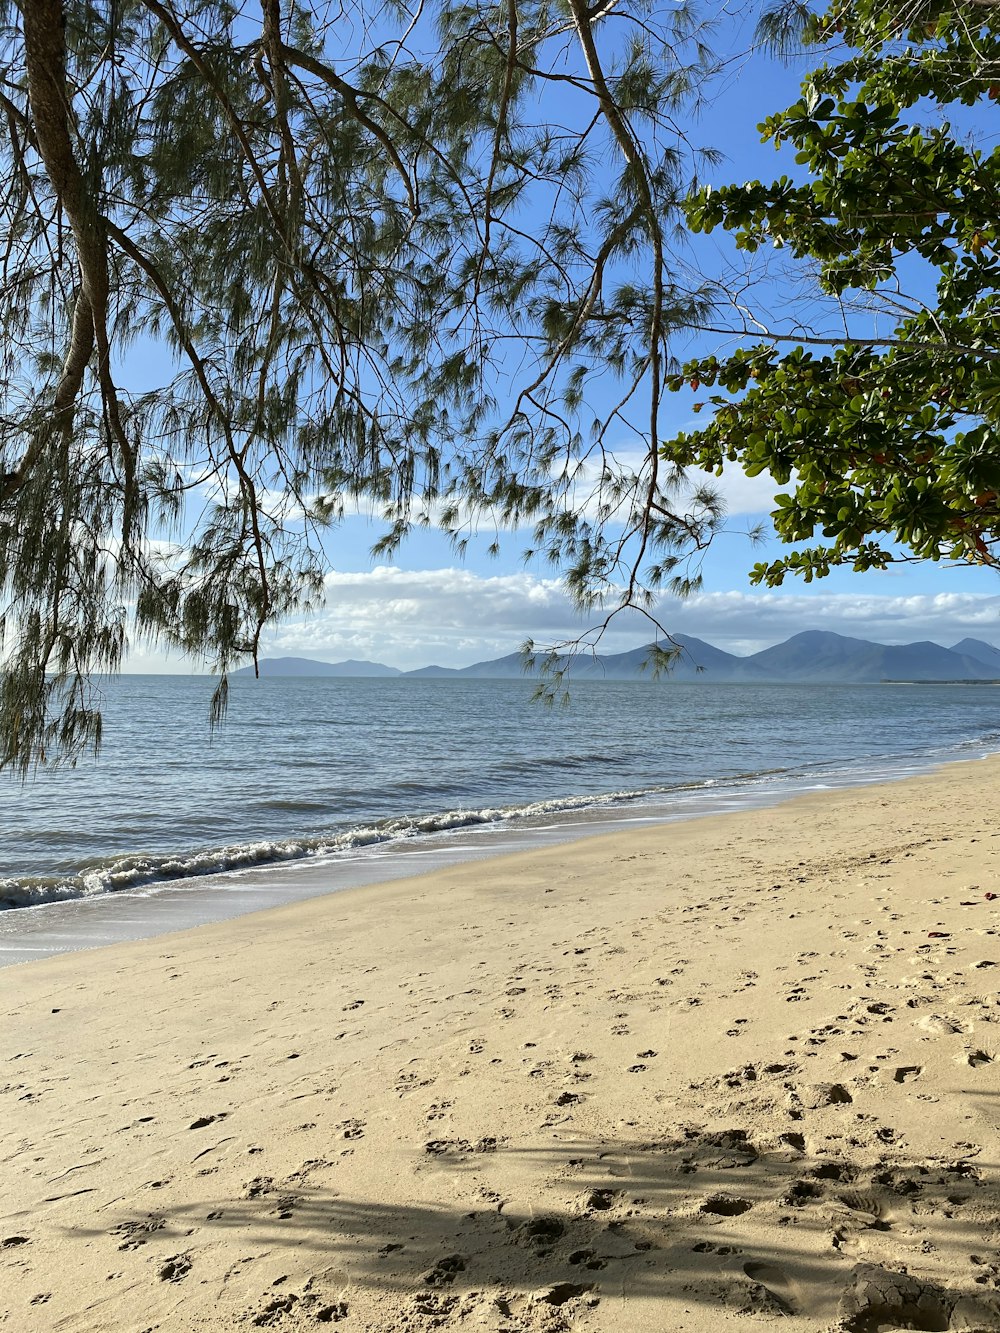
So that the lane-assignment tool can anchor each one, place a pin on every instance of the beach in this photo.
(692, 1076)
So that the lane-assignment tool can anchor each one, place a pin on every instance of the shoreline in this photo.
(156, 907)
(675, 1077)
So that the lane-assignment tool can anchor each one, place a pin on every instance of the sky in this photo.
(429, 606)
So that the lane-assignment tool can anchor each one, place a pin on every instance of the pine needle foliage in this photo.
(379, 254)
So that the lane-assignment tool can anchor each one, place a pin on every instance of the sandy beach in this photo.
(689, 1077)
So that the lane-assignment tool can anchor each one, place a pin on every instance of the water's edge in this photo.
(150, 906)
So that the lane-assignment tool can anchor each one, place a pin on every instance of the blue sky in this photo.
(429, 606)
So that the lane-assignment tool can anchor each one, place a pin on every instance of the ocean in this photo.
(317, 784)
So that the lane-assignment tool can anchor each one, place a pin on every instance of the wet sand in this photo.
(687, 1077)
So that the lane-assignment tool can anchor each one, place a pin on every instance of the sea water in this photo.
(315, 784)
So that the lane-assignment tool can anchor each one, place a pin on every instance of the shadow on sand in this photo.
(705, 1219)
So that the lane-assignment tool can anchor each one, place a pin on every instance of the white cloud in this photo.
(742, 494)
(411, 618)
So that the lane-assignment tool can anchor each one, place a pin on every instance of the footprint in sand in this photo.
(565, 1291)
(175, 1269)
(907, 1073)
(437, 1307)
(866, 1208)
(445, 1271)
(274, 1311)
(975, 1058)
(332, 1314)
(802, 1192)
(442, 1147)
(813, 1096)
(942, 1025)
(541, 1234)
(588, 1259)
(131, 1234)
(600, 1200)
(842, 1172)
(205, 1120)
(407, 1080)
(777, 1283)
(725, 1205)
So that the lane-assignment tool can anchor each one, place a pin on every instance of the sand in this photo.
(698, 1076)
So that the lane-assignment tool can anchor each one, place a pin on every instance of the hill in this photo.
(818, 655)
(982, 652)
(814, 656)
(308, 666)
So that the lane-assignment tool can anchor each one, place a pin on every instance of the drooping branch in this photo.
(631, 152)
(49, 99)
(339, 265)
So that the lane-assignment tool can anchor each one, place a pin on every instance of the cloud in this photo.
(743, 494)
(410, 618)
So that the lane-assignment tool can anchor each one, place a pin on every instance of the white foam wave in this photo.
(135, 871)
(129, 872)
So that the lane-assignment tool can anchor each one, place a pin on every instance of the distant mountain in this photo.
(982, 652)
(703, 661)
(589, 666)
(812, 656)
(434, 671)
(503, 668)
(307, 666)
(818, 655)
(696, 659)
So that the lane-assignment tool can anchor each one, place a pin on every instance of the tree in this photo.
(379, 257)
(883, 421)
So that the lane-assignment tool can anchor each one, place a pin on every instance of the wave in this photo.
(137, 870)
(129, 872)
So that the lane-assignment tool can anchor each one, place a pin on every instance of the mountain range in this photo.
(812, 656)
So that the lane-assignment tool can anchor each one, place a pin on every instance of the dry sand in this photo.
(699, 1076)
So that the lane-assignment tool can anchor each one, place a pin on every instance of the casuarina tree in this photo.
(268, 259)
